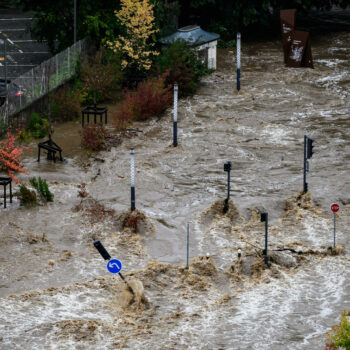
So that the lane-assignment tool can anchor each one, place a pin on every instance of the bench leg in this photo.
(38, 153)
(11, 192)
(54, 156)
(106, 117)
(4, 196)
(61, 159)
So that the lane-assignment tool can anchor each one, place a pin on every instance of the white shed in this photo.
(199, 39)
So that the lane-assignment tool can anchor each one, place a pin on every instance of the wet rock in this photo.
(284, 259)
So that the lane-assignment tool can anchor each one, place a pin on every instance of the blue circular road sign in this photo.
(114, 266)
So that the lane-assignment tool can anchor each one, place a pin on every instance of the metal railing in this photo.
(39, 81)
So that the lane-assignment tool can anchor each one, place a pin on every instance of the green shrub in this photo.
(101, 76)
(42, 188)
(180, 64)
(26, 196)
(340, 335)
(37, 128)
(66, 104)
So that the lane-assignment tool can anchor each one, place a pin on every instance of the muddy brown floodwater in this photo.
(55, 290)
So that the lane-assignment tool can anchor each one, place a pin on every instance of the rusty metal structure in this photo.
(296, 43)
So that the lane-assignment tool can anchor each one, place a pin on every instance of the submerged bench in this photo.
(4, 181)
(95, 111)
(51, 147)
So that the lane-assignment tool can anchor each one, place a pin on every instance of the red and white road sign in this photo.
(334, 207)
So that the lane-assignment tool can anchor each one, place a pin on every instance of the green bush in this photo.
(340, 335)
(42, 188)
(26, 196)
(37, 128)
(180, 64)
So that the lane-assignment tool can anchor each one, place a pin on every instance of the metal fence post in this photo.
(68, 62)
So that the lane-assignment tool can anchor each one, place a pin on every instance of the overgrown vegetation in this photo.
(101, 77)
(37, 127)
(26, 196)
(339, 337)
(93, 137)
(90, 207)
(179, 64)
(151, 98)
(65, 103)
(42, 188)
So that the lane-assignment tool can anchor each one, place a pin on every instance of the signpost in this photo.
(113, 265)
(335, 209)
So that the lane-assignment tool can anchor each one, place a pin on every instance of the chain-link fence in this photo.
(40, 80)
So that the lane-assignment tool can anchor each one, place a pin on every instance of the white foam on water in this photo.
(295, 312)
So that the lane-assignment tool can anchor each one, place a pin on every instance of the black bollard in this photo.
(265, 218)
(227, 168)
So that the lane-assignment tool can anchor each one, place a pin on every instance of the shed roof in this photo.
(193, 35)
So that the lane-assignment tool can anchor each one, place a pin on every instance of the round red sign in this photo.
(334, 207)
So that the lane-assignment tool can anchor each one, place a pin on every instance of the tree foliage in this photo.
(54, 20)
(137, 40)
(10, 155)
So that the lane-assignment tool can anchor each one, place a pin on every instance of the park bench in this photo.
(4, 181)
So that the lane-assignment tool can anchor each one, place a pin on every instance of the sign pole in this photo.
(334, 214)
(335, 209)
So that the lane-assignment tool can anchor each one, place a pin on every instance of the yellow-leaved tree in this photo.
(136, 43)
